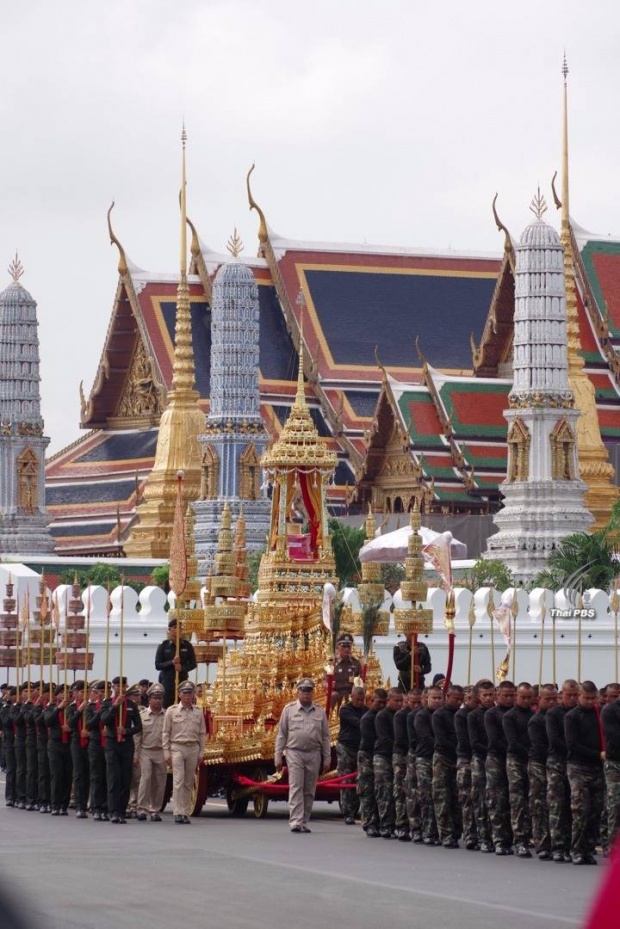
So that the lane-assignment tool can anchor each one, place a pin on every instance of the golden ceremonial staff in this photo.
(471, 619)
(553, 643)
(579, 636)
(121, 691)
(514, 609)
(614, 602)
(543, 610)
(108, 610)
(490, 609)
(87, 660)
(56, 622)
(18, 651)
(28, 649)
(64, 645)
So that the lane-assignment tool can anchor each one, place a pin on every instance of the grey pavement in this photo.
(248, 874)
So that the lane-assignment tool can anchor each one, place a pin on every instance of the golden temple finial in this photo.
(538, 206)
(183, 206)
(263, 235)
(235, 245)
(183, 377)
(123, 267)
(565, 205)
(300, 396)
(16, 268)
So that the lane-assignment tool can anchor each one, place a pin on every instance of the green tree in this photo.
(580, 561)
(346, 542)
(253, 566)
(392, 576)
(488, 574)
(99, 574)
(161, 576)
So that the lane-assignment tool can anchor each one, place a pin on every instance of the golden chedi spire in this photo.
(594, 466)
(181, 423)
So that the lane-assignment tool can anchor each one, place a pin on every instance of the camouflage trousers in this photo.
(366, 790)
(399, 767)
(479, 800)
(424, 776)
(518, 797)
(612, 793)
(413, 804)
(384, 791)
(498, 803)
(447, 811)
(539, 814)
(558, 806)
(347, 763)
(586, 804)
(465, 800)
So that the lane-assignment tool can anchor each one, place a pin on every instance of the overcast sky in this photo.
(390, 122)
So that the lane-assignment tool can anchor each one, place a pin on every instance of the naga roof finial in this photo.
(123, 267)
(263, 235)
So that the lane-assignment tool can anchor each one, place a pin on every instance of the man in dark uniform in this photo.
(365, 774)
(32, 791)
(515, 723)
(610, 716)
(445, 800)
(144, 685)
(3, 694)
(346, 669)
(167, 662)
(485, 692)
(19, 728)
(347, 748)
(6, 718)
(382, 763)
(425, 748)
(584, 756)
(96, 752)
(399, 765)
(537, 771)
(417, 700)
(121, 718)
(43, 764)
(79, 749)
(498, 803)
(59, 752)
(402, 660)
(558, 788)
(463, 768)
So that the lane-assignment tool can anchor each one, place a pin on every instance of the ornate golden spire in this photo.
(178, 448)
(594, 466)
(16, 268)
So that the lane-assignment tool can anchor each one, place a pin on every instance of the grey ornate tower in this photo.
(23, 517)
(543, 494)
(235, 437)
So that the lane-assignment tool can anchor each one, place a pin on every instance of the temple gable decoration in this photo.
(518, 440)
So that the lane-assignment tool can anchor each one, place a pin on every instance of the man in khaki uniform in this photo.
(184, 741)
(303, 736)
(133, 693)
(150, 751)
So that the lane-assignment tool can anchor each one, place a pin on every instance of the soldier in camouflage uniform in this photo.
(347, 748)
(399, 764)
(537, 772)
(424, 764)
(365, 774)
(498, 803)
(558, 790)
(445, 799)
(610, 717)
(584, 755)
(463, 768)
(515, 724)
(382, 763)
(485, 692)
(411, 782)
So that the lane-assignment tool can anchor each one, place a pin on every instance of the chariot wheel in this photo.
(237, 806)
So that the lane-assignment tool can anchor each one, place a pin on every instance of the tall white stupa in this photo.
(543, 494)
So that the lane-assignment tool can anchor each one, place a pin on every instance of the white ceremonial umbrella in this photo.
(392, 547)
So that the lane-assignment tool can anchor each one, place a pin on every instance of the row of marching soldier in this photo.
(506, 769)
(105, 750)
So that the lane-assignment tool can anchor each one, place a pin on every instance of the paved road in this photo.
(250, 874)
